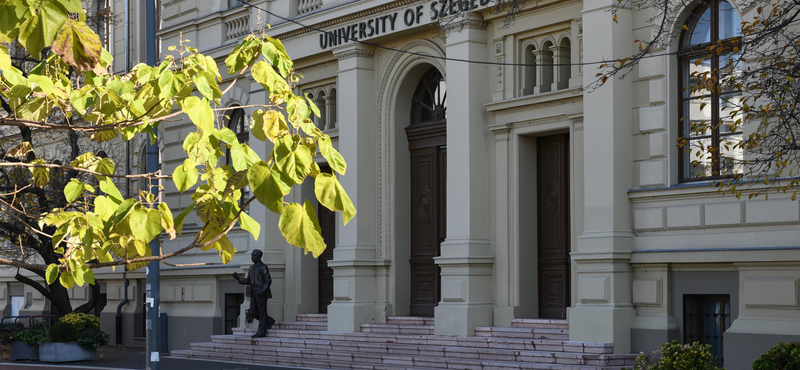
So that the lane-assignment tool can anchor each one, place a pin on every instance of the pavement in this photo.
(128, 358)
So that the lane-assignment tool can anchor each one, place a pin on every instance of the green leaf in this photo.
(226, 135)
(182, 217)
(300, 227)
(331, 194)
(85, 275)
(66, 281)
(40, 29)
(312, 106)
(43, 83)
(104, 207)
(264, 74)
(167, 223)
(41, 175)
(242, 55)
(267, 186)
(185, 175)
(145, 223)
(108, 187)
(298, 111)
(141, 247)
(5, 58)
(281, 59)
(106, 166)
(78, 45)
(51, 274)
(12, 14)
(73, 190)
(250, 224)
(295, 164)
(226, 249)
(199, 111)
(334, 158)
(207, 85)
(269, 125)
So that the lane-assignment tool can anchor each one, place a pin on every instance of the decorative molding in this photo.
(389, 83)
(502, 134)
(469, 23)
(354, 53)
(577, 120)
(427, 134)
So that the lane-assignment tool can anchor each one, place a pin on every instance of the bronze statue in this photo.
(259, 280)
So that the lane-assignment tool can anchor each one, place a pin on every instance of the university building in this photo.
(493, 190)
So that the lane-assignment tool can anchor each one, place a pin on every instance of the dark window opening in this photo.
(705, 319)
(233, 303)
(429, 103)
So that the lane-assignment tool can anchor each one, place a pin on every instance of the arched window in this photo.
(547, 67)
(562, 55)
(706, 109)
(529, 70)
(330, 103)
(238, 124)
(429, 103)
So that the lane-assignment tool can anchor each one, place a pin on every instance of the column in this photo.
(466, 261)
(544, 70)
(354, 259)
(602, 310)
(561, 67)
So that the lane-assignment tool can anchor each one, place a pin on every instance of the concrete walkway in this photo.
(129, 358)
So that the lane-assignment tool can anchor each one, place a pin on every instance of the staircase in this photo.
(409, 343)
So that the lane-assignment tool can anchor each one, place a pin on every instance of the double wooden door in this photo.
(553, 225)
(427, 145)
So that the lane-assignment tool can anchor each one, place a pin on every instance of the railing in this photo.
(306, 6)
(237, 27)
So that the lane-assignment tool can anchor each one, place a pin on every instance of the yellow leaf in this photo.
(615, 18)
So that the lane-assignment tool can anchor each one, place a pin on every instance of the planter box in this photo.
(22, 351)
(64, 352)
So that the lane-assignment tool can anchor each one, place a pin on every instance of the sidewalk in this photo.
(128, 358)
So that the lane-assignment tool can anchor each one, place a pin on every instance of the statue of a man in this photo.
(259, 280)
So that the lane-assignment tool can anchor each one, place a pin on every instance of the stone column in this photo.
(544, 70)
(561, 67)
(354, 259)
(466, 261)
(603, 311)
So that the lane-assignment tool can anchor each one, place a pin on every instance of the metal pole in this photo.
(118, 318)
(153, 284)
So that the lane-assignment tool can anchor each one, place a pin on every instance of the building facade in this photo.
(490, 191)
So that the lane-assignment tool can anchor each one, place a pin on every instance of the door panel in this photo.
(428, 184)
(553, 225)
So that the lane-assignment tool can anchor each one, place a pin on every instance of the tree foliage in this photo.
(70, 91)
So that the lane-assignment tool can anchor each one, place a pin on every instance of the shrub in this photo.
(676, 356)
(92, 338)
(62, 331)
(33, 336)
(81, 321)
(781, 357)
(11, 334)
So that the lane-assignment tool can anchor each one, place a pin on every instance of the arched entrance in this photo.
(427, 144)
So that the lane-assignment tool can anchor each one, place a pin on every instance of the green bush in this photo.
(11, 334)
(781, 357)
(33, 336)
(81, 321)
(676, 356)
(62, 331)
(92, 338)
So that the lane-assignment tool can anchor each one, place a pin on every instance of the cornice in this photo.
(469, 23)
(354, 53)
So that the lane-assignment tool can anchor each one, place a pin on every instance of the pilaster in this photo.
(354, 259)
(466, 254)
(603, 311)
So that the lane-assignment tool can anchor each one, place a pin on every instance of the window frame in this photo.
(688, 54)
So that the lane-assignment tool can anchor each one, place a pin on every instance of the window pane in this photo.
(697, 121)
(730, 113)
(731, 155)
(730, 68)
(697, 163)
(729, 23)
(691, 77)
(699, 29)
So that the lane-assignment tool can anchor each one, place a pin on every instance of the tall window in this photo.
(708, 53)
(238, 124)
(429, 104)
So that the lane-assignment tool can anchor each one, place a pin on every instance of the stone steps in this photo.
(300, 325)
(540, 324)
(397, 328)
(529, 333)
(312, 317)
(433, 353)
(409, 320)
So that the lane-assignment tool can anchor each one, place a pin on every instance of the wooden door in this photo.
(553, 225)
(327, 221)
(428, 186)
